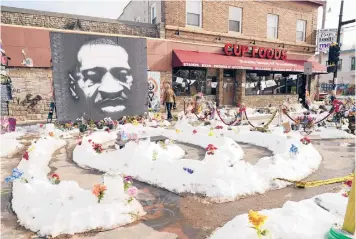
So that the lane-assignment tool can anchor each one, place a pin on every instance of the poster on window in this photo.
(154, 96)
(98, 76)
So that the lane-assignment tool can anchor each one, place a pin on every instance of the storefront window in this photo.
(190, 81)
(270, 84)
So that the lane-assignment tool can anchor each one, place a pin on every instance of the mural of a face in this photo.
(104, 76)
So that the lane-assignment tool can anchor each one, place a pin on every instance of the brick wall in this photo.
(26, 17)
(215, 17)
(34, 81)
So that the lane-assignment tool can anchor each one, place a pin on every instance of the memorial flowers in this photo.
(26, 156)
(347, 185)
(55, 179)
(188, 170)
(99, 191)
(293, 149)
(97, 147)
(305, 140)
(154, 155)
(16, 174)
(257, 220)
(194, 131)
(218, 127)
(51, 134)
(132, 191)
(211, 149)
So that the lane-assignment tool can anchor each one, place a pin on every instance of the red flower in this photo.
(41, 125)
(194, 131)
(218, 127)
(80, 142)
(26, 156)
(348, 183)
(107, 130)
(55, 176)
(345, 195)
(211, 147)
(89, 140)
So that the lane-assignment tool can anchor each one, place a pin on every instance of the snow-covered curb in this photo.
(51, 210)
(295, 220)
(9, 143)
(221, 177)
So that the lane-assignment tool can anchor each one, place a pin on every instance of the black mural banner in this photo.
(98, 76)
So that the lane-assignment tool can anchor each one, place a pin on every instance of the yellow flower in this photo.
(135, 122)
(178, 131)
(256, 219)
(51, 134)
(31, 148)
(211, 133)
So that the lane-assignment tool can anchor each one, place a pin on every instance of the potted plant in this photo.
(82, 125)
(109, 123)
(100, 124)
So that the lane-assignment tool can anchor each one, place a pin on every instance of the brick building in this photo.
(275, 25)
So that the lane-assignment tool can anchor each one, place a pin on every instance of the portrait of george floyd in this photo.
(98, 76)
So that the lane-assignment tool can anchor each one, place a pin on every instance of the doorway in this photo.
(228, 87)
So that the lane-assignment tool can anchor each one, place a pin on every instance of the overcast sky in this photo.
(112, 9)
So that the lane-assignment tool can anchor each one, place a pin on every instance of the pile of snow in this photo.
(332, 133)
(221, 177)
(51, 210)
(295, 220)
(10, 143)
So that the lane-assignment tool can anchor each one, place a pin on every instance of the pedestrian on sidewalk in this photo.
(169, 98)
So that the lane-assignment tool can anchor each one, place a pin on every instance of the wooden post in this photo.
(349, 220)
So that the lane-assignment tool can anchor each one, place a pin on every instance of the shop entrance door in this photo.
(228, 90)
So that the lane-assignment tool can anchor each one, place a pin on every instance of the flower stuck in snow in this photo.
(154, 155)
(99, 191)
(16, 174)
(347, 187)
(132, 191)
(348, 183)
(31, 148)
(211, 133)
(178, 131)
(51, 134)
(293, 149)
(98, 148)
(194, 131)
(55, 179)
(305, 140)
(190, 171)
(26, 156)
(211, 149)
(257, 220)
(218, 127)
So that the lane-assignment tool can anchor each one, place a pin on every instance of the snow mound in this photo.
(221, 177)
(51, 210)
(295, 220)
(10, 143)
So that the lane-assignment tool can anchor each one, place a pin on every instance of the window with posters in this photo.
(271, 84)
(190, 81)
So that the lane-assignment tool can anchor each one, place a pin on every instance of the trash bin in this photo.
(12, 124)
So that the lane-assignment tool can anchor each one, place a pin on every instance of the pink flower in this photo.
(348, 183)
(132, 191)
(41, 125)
(194, 131)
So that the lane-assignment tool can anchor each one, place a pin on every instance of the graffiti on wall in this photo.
(154, 96)
(30, 101)
(97, 77)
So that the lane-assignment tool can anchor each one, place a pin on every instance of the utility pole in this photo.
(321, 53)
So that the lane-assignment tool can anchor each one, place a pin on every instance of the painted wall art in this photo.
(154, 99)
(98, 76)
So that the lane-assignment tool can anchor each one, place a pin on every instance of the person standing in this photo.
(169, 98)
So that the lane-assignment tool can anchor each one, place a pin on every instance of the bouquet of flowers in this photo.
(97, 147)
(109, 122)
(305, 140)
(16, 174)
(257, 220)
(99, 191)
(100, 124)
(211, 149)
(218, 127)
(55, 179)
(347, 185)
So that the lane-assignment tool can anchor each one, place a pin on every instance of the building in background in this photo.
(142, 11)
(345, 76)
(211, 25)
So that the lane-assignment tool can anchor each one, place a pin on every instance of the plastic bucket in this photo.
(12, 124)
(336, 233)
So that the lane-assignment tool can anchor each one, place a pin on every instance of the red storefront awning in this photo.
(211, 60)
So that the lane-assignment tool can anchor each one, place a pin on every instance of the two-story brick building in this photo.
(236, 48)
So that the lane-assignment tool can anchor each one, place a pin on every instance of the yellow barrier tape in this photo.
(317, 183)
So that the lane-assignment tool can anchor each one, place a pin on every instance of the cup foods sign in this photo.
(325, 38)
(254, 51)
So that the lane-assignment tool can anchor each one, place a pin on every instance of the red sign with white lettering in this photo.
(254, 51)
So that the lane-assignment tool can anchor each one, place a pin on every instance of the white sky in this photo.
(113, 8)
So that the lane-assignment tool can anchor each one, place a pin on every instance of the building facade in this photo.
(280, 26)
(142, 11)
(345, 76)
